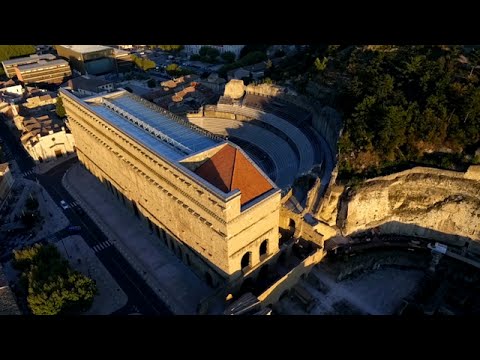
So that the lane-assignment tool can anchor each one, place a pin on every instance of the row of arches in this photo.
(247, 257)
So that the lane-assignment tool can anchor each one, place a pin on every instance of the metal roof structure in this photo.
(29, 59)
(159, 130)
(85, 49)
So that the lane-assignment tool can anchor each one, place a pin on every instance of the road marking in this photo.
(102, 246)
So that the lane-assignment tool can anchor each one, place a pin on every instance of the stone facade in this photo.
(432, 203)
(208, 229)
(50, 147)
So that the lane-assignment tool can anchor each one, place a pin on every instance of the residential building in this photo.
(87, 85)
(44, 138)
(201, 195)
(47, 72)
(123, 60)
(9, 65)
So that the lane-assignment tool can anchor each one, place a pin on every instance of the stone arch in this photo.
(263, 248)
(246, 260)
(291, 224)
(208, 279)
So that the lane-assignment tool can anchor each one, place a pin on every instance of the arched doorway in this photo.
(263, 248)
(263, 274)
(246, 260)
(208, 279)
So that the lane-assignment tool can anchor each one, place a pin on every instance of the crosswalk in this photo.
(73, 204)
(28, 173)
(102, 246)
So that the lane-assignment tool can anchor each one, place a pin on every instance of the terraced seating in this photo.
(283, 156)
(304, 147)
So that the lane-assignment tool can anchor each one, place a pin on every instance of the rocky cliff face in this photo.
(422, 202)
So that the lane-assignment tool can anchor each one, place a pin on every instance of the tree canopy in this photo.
(144, 63)
(59, 108)
(176, 70)
(228, 56)
(52, 286)
(12, 51)
(173, 48)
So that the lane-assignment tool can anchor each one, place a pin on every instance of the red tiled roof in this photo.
(229, 169)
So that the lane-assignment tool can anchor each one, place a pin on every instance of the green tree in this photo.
(172, 69)
(52, 286)
(320, 65)
(228, 56)
(143, 63)
(59, 108)
(170, 48)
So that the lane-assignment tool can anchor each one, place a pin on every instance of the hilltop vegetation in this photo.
(12, 51)
(51, 286)
(402, 105)
(417, 104)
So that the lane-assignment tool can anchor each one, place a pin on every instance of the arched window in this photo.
(246, 260)
(263, 248)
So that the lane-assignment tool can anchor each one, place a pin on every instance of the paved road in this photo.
(141, 299)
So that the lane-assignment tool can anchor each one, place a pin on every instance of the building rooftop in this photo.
(175, 139)
(230, 169)
(89, 84)
(31, 58)
(42, 64)
(3, 168)
(84, 49)
(8, 305)
(126, 110)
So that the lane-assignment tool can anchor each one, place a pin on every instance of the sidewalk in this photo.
(54, 218)
(172, 281)
(110, 297)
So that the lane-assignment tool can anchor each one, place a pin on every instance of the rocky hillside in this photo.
(421, 201)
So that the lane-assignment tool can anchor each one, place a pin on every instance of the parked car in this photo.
(64, 205)
(74, 228)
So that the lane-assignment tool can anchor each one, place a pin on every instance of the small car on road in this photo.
(64, 205)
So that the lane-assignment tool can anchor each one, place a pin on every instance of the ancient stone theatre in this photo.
(202, 195)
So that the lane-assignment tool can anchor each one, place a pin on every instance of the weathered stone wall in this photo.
(432, 203)
(187, 211)
(271, 296)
